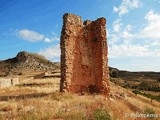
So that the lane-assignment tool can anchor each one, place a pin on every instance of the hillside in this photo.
(135, 76)
(25, 63)
(135, 79)
(144, 83)
(39, 99)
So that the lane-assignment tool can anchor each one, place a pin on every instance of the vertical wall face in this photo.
(84, 62)
(7, 82)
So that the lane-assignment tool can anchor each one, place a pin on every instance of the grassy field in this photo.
(40, 99)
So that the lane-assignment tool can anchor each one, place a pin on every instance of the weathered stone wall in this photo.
(7, 82)
(84, 62)
(14, 81)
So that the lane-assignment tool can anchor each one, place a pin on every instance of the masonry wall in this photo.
(14, 81)
(84, 62)
(7, 82)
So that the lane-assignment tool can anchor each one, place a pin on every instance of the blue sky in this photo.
(133, 29)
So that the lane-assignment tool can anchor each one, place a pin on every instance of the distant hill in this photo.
(26, 62)
(136, 76)
(149, 81)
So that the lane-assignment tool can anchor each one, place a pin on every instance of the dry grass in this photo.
(41, 102)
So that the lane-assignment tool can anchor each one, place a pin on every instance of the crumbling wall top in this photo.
(72, 19)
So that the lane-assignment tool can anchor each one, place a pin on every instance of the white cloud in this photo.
(124, 43)
(120, 33)
(128, 28)
(124, 50)
(30, 35)
(113, 38)
(33, 36)
(47, 40)
(116, 25)
(52, 39)
(126, 5)
(155, 43)
(52, 52)
(125, 34)
(128, 44)
(115, 9)
(128, 51)
(152, 29)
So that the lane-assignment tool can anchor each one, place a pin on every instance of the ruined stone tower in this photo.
(84, 51)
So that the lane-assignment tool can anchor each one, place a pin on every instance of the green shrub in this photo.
(136, 92)
(149, 111)
(101, 114)
(114, 74)
(150, 86)
(152, 97)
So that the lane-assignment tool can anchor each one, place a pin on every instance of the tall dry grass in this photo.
(42, 103)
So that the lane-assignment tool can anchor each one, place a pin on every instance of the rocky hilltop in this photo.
(26, 62)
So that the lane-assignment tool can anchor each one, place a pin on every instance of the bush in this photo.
(149, 111)
(152, 97)
(136, 92)
(127, 85)
(114, 75)
(150, 86)
(101, 114)
(152, 114)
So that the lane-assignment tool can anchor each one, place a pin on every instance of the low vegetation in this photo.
(101, 114)
(152, 97)
(37, 100)
(151, 86)
(149, 111)
(34, 84)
